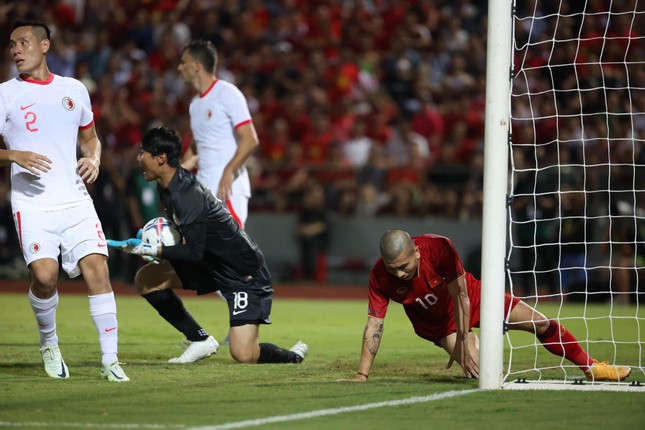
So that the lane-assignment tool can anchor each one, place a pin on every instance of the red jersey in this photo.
(425, 298)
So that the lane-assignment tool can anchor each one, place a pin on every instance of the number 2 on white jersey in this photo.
(30, 120)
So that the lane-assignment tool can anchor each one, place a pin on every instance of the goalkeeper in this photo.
(216, 254)
(425, 274)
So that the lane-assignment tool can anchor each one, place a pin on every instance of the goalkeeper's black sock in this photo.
(270, 353)
(172, 309)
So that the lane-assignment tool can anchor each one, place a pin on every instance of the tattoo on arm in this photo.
(372, 335)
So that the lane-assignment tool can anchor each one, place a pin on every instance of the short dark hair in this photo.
(204, 52)
(394, 243)
(163, 140)
(33, 23)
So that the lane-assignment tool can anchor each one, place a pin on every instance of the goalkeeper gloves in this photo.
(145, 250)
(124, 245)
(137, 247)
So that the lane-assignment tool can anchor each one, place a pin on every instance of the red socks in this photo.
(559, 341)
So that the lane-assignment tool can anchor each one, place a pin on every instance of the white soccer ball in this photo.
(161, 231)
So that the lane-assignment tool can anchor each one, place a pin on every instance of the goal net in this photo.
(576, 200)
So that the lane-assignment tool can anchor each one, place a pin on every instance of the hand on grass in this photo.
(357, 378)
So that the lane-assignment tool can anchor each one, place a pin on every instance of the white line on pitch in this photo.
(249, 423)
(335, 411)
(90, 425)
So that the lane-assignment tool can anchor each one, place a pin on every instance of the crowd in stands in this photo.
(379, 102)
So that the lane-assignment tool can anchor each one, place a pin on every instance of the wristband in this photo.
(363, 374)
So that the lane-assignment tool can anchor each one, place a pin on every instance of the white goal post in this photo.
(564, 224)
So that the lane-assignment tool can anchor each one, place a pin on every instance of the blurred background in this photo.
(370, 114)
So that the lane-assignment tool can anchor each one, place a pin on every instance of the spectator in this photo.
(358, 145)
(313, 234)
(316, 143)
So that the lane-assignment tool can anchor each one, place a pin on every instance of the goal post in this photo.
(564, 188)
(496, 135)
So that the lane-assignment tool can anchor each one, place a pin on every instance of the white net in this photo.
(577, 190)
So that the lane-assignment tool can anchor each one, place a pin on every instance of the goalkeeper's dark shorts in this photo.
(250, 306)
(248, 302)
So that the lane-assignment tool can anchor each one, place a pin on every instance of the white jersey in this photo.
(45, 117)
(214, 116)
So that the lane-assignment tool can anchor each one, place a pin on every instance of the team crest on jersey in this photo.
(68, 103)
(401, 290)
(208, 115)
(34, 248)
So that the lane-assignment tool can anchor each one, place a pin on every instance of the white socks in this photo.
(103, 312)
(45, 312)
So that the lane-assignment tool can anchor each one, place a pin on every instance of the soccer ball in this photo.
(161, 231)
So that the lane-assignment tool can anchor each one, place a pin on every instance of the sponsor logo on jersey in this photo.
(68, 103)
(26, 107)
(239, 312)
(34, 248)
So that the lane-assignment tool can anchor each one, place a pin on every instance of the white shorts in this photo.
(238, 207)
(72, 233)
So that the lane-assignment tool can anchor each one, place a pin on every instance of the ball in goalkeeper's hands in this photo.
(160, 231)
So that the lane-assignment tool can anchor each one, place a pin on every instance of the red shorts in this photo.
(475, 311)
(436, 332)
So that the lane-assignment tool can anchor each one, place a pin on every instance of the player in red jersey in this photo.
(425, 274)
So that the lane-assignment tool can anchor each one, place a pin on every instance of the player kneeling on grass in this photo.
(215, 254)
(425, 274)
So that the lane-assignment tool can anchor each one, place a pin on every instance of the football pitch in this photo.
(409, 386)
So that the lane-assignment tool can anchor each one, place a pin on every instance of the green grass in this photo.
(217, 390)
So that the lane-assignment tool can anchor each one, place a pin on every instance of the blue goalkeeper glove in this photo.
(137, 247)
(125, 245)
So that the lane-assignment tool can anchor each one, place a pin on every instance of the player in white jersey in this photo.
(42, 118)
(223, 133)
